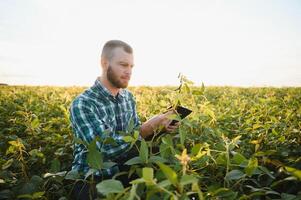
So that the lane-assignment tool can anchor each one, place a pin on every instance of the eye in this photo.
(125, 65)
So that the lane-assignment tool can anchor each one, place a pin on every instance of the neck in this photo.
(114, 90)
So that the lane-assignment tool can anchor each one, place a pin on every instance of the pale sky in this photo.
(233, 43)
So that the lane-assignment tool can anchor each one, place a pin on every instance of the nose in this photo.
(128, 71)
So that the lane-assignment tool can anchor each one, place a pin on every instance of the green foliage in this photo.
(109, 186)
(239, 143)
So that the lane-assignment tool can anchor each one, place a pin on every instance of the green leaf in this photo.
(234, 175)
(265, 170)
(222, 159)
(134, 161)
(109, 186)
(238, 158)
(225, 193)
(188, 179)
(293, 171)
(110, 140)
(72, 175)
(55, 166)
(143, 154)
(196, 188)
(94, 157)
(167, 140)
(170, 174)
(38, 195)
(252, 165)
(164, 183)
(287, 196)
(137, 181)
(128, 138)
(107, 165)
(7, 164)
(195, 149)
(26, 196)
(155, 159)
(35, 123)
(133, 193)
(131, 125)
(148, 174)
(90, 172)
(183, 135)
(282, 181)
(136, 134)
(163, 103)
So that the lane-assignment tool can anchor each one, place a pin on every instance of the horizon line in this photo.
(194, 85)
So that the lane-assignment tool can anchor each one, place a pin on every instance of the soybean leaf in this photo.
(238, 158)
(72, 175)
(164, 183)
(109, 186)
(108, 164)
(128, 138)
(234, 175)
(293, 171)
(182, 136)
(134, 161)
(94, 157)
(148, 174)
(154, 159)
(55, 166)
(143, 154)
(188, 179)
(252, 165)
(170, 174)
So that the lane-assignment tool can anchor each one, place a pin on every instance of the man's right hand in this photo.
(166, 121)
(159, 121)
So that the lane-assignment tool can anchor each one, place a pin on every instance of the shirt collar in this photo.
(104, 91)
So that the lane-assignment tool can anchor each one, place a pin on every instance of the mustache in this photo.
(126, 77)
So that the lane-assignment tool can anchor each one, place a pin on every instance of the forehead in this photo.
(119, 55)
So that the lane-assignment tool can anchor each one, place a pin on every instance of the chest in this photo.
(116, 115)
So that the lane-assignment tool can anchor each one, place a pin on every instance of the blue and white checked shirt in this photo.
(97, 110)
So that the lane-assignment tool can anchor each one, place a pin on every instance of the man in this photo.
(108, 107)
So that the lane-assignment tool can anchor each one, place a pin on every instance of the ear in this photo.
(104, 63)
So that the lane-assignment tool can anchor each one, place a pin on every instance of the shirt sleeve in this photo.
(137, 122)
(87, 125)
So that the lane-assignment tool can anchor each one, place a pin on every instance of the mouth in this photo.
(126, 78)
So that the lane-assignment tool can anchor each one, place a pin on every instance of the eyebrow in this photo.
(124, 62)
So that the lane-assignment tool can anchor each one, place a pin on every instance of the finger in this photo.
(168, 113)
(171, 128)
(178, 124)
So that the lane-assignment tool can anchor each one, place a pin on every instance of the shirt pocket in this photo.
(110, 124)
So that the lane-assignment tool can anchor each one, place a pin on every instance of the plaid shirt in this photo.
(94, 111)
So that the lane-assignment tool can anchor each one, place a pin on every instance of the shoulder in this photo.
(127, 94)
(81, 101)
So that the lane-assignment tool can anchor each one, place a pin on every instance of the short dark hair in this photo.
(109, 46)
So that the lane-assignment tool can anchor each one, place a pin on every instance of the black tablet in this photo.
(183, 112)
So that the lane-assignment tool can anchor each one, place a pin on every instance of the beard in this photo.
(113, 78)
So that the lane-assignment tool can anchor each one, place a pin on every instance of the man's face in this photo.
(119, 69)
